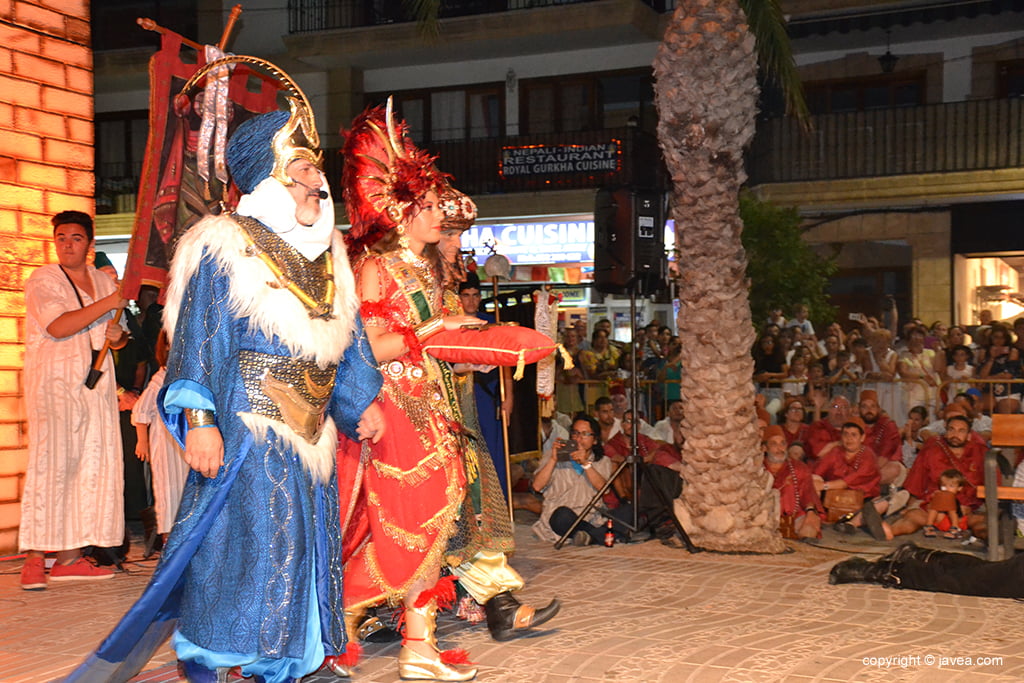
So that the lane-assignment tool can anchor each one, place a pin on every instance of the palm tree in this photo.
(706, 94)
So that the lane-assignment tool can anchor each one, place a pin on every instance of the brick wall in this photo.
(46, 166)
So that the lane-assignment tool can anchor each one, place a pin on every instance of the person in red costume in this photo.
(849, 463)
(827, 429)
(954, 450)
(793, 427)
(401, 496)
(883, 436)
(798, 498)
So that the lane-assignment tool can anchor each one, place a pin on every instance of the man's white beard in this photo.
(272, 204)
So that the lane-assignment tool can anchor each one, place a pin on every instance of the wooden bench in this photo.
(1007, 432)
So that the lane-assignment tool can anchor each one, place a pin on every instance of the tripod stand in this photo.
(633, 460)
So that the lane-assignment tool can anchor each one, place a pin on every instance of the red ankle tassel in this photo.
(455, 657)
(443, 591)
(350, 657)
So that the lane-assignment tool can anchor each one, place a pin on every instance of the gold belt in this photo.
(289, 390)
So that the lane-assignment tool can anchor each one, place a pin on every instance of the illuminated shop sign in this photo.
(536, 160)
(565, 239)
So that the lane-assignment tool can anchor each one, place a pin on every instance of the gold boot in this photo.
(343, 665)
(420, 625)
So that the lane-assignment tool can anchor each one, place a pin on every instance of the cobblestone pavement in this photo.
(632, 613)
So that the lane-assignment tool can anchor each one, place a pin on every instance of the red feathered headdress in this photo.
(385, 175)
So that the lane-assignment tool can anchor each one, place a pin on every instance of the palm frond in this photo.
(425, 12)
(775, 52)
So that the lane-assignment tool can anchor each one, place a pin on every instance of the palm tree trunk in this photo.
(706, 95)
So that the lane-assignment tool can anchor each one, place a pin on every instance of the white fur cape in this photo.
(272, 311)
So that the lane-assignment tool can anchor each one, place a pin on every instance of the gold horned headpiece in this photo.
(385, 176)
(264, 145)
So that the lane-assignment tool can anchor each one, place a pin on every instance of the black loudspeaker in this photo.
(629, 243)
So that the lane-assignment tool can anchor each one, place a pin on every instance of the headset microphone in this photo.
(322, 194)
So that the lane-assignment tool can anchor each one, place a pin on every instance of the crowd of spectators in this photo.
(885, 416)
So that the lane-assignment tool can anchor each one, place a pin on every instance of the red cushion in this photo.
(491, 345)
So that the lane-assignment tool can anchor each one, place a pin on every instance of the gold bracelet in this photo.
(430, 327)
(196, 417)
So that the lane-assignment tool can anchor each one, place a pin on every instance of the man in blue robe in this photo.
(268, 360)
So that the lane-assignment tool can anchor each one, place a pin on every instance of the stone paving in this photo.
(631, 613)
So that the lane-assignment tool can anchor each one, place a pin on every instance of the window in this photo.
(456, 114)
(590, 102)
(120, 147)
(1010, 78)
(865, 94)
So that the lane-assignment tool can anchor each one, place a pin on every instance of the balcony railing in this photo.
(936, 138)
(940, 138)
(306, 16)
(477, 165)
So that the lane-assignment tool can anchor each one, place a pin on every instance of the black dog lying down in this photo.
(935, 570)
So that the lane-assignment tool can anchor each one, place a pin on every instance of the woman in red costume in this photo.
(401, 496)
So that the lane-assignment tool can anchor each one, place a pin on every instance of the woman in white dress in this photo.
(74, 481)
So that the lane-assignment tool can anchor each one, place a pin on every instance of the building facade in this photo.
(913, 149)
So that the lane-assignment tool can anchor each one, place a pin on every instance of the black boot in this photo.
(507, 618)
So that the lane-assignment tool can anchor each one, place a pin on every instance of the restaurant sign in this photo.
(537, 160)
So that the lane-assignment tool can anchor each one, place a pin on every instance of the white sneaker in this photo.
(897, 501)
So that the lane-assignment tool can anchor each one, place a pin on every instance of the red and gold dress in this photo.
(401, 496)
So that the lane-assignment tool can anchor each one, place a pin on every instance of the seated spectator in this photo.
(954, 450)
(944, 512)
(911, 435)
(795, 450)
(664, 470)
(569, 480)
(848, 463)
(664, 430)
(883, 436)
(651, 451)
(962, 404)
(799, 504)
(1003, 362)
(620, 399)
(794, 426)
(604, 413)
(827, 430)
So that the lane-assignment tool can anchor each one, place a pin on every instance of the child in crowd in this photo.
(796, 451)
(960, 370)
(156, 445)
(796, 382)
(944, 509)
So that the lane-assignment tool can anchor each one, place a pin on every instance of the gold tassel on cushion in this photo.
(566, 358)
(520, 366)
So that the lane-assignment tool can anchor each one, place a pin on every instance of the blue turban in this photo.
(250, 153)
